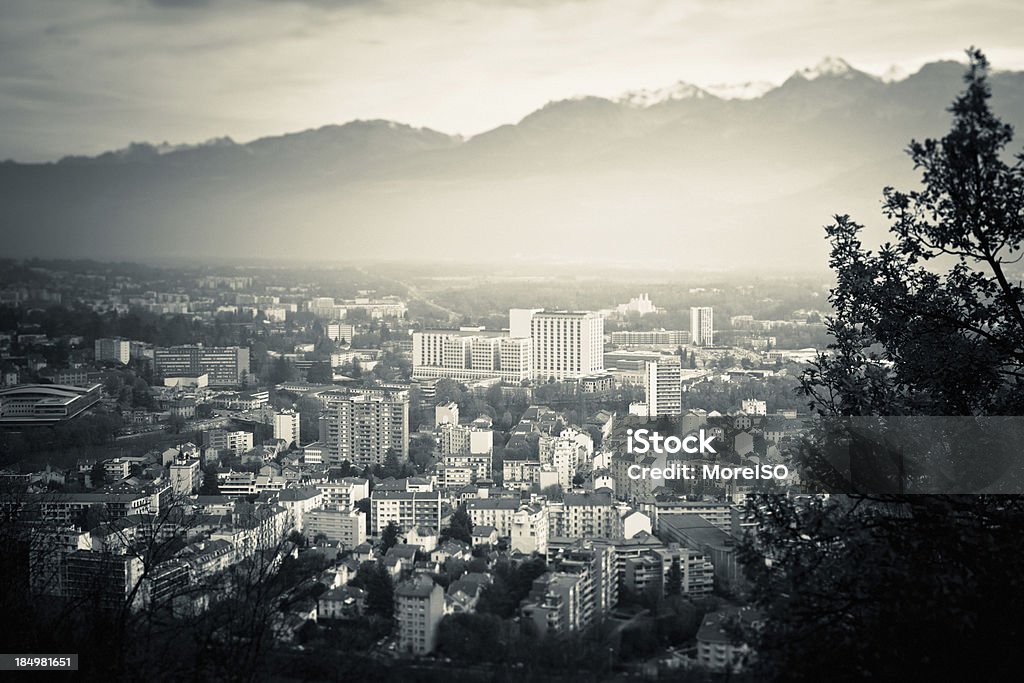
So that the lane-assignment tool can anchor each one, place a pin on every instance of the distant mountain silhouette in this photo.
(675, 176)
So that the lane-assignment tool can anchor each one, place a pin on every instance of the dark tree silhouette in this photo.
(896, 587)
(389, 537)
(932, 324)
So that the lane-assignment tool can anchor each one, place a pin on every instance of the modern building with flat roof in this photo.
(45, 404)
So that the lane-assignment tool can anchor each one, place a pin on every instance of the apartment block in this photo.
(566, 344)
(224, 365)
(407, 509)
(365, 426)
(419, 607)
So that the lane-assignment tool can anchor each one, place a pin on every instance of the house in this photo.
(451, 549)
(484, 535)
(364, 552)
(462, 596)
(344, 602)
(720, 646)
(423, 536)
(400, 558)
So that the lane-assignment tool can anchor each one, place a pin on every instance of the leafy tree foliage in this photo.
(908, 587)
(210, 485)
(932, 324)
(911, 588)
(389, 537)
(459, 526)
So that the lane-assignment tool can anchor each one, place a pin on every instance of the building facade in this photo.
(225, 365)
(567, 345)
(365, 426)
(702, 326)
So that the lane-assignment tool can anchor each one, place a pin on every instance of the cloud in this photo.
(87, 76)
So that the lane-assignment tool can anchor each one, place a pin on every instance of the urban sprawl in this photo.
(166, 433)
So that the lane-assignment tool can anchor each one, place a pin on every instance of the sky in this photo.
(88, 76)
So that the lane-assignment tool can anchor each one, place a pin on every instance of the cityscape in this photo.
(714, 381)
(417, 482)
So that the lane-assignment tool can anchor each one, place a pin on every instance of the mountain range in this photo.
(723, 177)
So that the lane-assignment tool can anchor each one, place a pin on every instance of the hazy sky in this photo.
(83, 76)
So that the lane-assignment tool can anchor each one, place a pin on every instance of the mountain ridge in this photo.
(707, 179)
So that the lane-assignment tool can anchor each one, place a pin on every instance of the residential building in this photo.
(103, 579)
(567, 345)
(702, 326)
(117, 350)
(365, 426)
(407, 509)
(344, 493)
(298, 502)
(419, 607)
(663, 384)
(582, 587)
(340, 525)
(717, 545)
(186, 477)
(495, 512)
(752, 406)
(340, 332)
(719, 648)
(234, 442)
(529, 529)
(466, 450)
(116, 469)
(586, 515)
(286, 427)
(225, 365)
(446, 413)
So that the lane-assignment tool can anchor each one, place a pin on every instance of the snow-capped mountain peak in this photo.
(829, 66)
(750, 90)
(648, 97)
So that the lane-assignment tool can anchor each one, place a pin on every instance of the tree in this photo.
(886, 588)
(210, 485)
(907, 586)
(98, 474)
(460, 527)
(946, 339)
(380, 590)
(320, 373)
(389, 537)
(281, 371)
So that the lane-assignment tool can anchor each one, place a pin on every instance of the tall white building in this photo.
(446, 413)
(340, 332)
(663, 382)
(113, 349)
(286, 426)
(566, 344)
(702, 326)
(185, 476)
